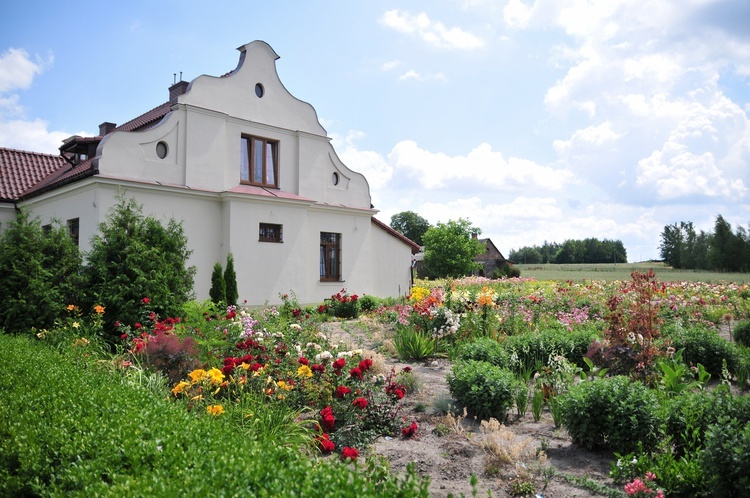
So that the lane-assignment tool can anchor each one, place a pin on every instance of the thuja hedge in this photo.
(73, 429)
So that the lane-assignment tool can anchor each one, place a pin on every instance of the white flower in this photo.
(296, 326)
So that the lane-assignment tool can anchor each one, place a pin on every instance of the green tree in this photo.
(39, 274)
(218, 292)
(230, 279)
(672, 246)
(411, 225)
(134, 257)
(450, 249)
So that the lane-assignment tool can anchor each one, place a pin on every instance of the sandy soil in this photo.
(450, 449)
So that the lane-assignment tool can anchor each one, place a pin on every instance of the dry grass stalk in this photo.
(503, 445)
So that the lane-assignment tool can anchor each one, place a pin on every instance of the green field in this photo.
(622, 271)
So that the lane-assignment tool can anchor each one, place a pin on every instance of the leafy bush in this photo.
(705, 346)
(533, 349)
(134, 256)
(741, 333)
(414, 344)
(485, 349)
(39, 274)
(612, 413)
(484, 389)
(343, 305)
(368, 303)
(726, 457)
(170, 355)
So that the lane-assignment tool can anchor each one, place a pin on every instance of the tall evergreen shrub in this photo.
(230, 279)
(218, 292)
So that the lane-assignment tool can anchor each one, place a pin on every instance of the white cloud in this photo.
(591, 136)
(32, 136)
(371, 164)
(391, 65)
(481, 168)
(17, 70)
(433, 32)
(414, 75)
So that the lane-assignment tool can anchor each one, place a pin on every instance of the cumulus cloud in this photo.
(371, 164)
(17, 70)
(480, 168)
(433, 32)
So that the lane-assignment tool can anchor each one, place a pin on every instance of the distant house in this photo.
(246, 167)
(491, 259)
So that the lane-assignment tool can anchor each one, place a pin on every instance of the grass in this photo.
(622, 271)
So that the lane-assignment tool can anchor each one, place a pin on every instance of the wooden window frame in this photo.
(330, 257)
(249, 161)
(270, 232)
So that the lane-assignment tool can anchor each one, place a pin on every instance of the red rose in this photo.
(355, 373)
(303, 361)
(145, 300)
(324, 443)
(320, 368)
(339, 364)
(410, 431)
(342, 391)
(360, 403)
(349, 453)
(327, 419)
(365, 364)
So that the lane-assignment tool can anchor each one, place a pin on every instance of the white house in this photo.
(247, 168)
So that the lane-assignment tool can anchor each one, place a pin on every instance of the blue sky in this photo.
(537, 120)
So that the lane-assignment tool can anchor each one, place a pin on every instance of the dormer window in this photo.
(259, 161)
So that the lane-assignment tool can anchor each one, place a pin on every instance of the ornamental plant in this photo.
(486, 390)
(343, 305)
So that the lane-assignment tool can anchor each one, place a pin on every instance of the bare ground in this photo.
(449, 449)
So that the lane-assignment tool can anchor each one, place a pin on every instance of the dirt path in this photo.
(450, 449)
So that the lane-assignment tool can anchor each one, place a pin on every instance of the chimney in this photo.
(473, 235)
(106, 128)
(176, 90)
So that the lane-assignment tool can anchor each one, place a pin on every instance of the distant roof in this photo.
(406, 240)
(20, 170)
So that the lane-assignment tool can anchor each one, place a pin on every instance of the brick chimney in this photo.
(176, 90)
(106, 128)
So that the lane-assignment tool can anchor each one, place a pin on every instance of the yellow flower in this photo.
(283, 385)
(216, 375)
(304, 371)
(215, 410)
(179, 388)
(81, 342)
(197, 375)
(99, 309)
(76, 325)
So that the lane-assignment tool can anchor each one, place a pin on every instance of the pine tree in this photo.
(218, 290)
(230, 280)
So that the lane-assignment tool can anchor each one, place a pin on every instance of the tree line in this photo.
(721, 250)
(585, 251)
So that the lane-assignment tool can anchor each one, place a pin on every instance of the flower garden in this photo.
(260, 401)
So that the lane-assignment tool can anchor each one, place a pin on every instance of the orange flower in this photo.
(99, 309)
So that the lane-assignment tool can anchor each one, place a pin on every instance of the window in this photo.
(268, 232)
(259, 161)
(330, 256)
(46, 229)
(73, 227)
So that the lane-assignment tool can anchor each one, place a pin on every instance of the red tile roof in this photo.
(20, 170)
(146, 120)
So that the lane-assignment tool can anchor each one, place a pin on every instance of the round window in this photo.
(162, 150)
(259, 90)
(335, 178)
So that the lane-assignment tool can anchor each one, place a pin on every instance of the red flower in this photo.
(349, 453)
(410, 431)
(303, 361)
(399, 393)
(138, 325)
(296, 312)
(324, 443)
(342, 391)
(356, 373)
(145, 300)
(339, 364)
(407, 369)
(320, 368)
(322, 308)
(124, 336)
(365, 364)
(360, 403)
(327, 419)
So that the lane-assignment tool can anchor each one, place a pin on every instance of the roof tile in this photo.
(20, 170)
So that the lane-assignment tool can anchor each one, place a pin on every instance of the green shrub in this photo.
(484, 389)
(485, 349)
(218, 291)
(612, 413)
(39, 274)
(230, 281)
(725, 457)
(134, 256)
(741, 333)
(368, 303)
(705, 346)
(532, 349)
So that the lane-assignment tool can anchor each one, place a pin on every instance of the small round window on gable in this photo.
(162, 149)
(259, 90)
(335, 178)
